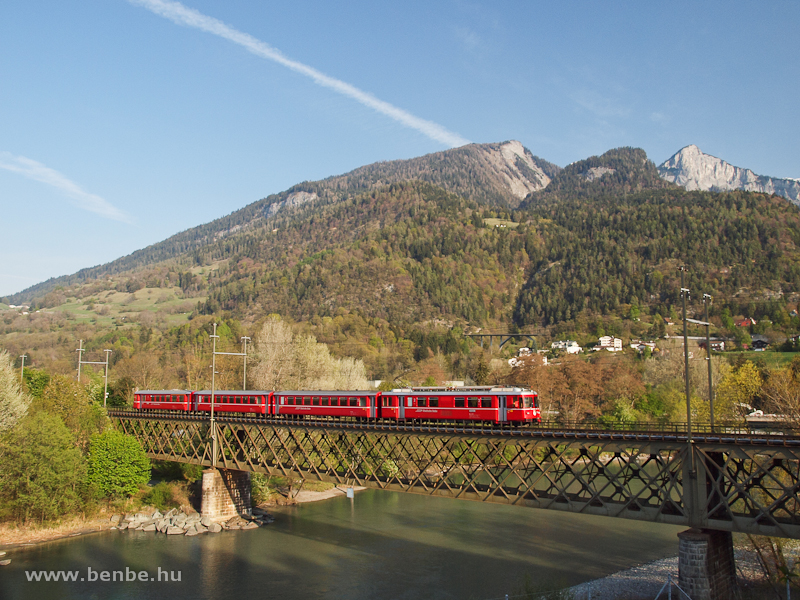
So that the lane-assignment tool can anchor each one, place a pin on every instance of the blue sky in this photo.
(120, 127)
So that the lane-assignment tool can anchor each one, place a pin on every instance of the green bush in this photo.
(117, 464)
(161, 496)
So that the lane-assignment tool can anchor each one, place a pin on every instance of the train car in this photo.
(238, 401)
(359, 404)
(481, 403)
(162, 400)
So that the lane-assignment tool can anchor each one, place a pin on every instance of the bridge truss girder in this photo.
(740, 487)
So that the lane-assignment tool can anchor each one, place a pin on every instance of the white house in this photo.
(610, 343)
(568, 346)
(640, 345)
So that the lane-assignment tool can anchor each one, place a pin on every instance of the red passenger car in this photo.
(483, 403)
(361, 404)
(252, 402)
(162, 400)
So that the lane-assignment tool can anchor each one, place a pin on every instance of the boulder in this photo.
(156, 515)
(150, 527)
(122, 526)
(114, 519)
(205, 521)
(250, 526)
(214, 528)
(174, 531)
(5, 563)
(171, 512)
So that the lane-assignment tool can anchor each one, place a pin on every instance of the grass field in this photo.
(774, 360)
(500, 223)
(146, 306)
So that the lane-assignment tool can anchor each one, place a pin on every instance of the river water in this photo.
(378, 546)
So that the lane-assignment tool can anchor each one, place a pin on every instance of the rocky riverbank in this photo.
(176, 522)
(645, 581)
(14, 536)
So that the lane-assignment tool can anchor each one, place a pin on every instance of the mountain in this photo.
(496, 174)
(692, 169)
(617, 172)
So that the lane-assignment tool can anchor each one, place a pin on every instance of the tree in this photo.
(42, 470)
(272, 355)
(659, 327)
(284, 360)
(117, 464)
(68, 399)
(13, 402)
(736, 391)
(782, 393)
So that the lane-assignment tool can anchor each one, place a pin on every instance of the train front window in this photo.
(527, 401)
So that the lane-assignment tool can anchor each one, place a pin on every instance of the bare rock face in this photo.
(694, 170)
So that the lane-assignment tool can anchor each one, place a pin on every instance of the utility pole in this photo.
(245, 339)
(80, 351)
(80, 357)
(22, 369)
(214, 338)
(105, 377)
(706, 302)
(684, 294)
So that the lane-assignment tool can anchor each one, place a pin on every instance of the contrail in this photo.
(183, 15)
(39, 172)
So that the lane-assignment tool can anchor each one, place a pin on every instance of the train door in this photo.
(402, 406)
(502, 409)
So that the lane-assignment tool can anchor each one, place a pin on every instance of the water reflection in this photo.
(380, 545)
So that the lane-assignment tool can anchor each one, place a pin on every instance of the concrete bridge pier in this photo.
(226, 493)
(706, 567)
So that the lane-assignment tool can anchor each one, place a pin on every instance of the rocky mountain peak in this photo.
(693, 169)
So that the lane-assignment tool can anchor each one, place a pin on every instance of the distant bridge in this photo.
(734, 482)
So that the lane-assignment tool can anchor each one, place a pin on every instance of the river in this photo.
(378, 546)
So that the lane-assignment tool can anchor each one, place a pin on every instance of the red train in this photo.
(483, 403)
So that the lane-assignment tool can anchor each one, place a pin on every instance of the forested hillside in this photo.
(488, 174)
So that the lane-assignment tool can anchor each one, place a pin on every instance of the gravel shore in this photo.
(645, 581)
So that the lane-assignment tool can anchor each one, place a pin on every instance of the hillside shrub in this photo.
(117, 464)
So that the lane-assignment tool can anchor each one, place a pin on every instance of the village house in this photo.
(568, 346)
(640, 346)
(610, 343)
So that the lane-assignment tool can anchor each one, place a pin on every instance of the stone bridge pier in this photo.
(226, 493)
(706, 567)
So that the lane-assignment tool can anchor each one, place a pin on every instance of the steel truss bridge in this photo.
(738, 482)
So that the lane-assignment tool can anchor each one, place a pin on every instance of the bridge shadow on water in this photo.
(380, 545)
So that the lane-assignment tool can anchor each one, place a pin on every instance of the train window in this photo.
(326, 401)
(422, 401)
(527, 401)
(315, 400)
(472, 402)
(536, 401)
(459, 402)
(486, 402)
(362, 401)
(306, 401)
(353, 401)
(433, 402)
